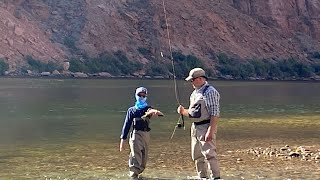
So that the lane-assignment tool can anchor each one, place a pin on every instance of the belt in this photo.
(147, 129)
(202, 122)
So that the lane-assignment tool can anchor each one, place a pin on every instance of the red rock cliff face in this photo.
(240, 28)
(20, 37)
(246, 29)
(290, 15)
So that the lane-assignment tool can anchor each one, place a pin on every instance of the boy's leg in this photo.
(135, 157)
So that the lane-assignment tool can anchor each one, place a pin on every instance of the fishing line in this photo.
(180, 122)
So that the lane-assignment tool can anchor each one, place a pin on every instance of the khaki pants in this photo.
(202, 151)
(139, 147)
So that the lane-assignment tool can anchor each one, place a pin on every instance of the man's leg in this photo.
(209, 152)
(196, 154)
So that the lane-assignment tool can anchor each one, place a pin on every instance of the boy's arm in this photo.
(126, 128)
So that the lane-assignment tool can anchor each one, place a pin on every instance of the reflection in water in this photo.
(70, 128)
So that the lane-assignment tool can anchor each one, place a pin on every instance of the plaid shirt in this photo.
(212, 98)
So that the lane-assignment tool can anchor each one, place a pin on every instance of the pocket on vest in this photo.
(195, 111)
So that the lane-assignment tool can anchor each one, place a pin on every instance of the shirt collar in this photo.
(202, 87)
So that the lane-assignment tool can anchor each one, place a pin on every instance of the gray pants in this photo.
(204, 153)
(139, 147)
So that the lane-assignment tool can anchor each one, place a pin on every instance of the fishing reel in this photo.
(179, 125)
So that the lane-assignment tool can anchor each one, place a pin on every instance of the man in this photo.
(138, 115)
(204, 111)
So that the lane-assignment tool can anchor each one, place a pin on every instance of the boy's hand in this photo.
(152, 113)
(121, 146)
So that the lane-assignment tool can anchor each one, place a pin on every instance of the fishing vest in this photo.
(197, 109)
(140, 124)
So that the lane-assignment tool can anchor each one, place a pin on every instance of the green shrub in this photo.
(223, 59)
(144, 51)
(116, 64)
(178, 56)
(274, 70)
(70, 42)
(316, 68)
(260, 67)
(3, 67)
(286, 68)
(246, 70)
(316, 55)
(233, 67)
(77, 66)
(38, 66)
(303, 70)
(183, 63)
(35, 64)
(157, 70)
(51, 66)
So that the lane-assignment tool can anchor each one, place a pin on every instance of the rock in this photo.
(56, 72)
(18, 31)
(104, 74)
(294, 154)
(185, 16)
(101, 6)
(54, 12)
(10, 24)
(80, 75)
(45, 73)
(66, 66)
(10, 42)
(54, 30)
(144, 60)
(93, 32)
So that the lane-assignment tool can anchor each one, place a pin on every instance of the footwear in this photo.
(133, 175)
(195, 178)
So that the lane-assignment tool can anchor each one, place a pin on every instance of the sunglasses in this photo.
(193, 79)
(142, 95)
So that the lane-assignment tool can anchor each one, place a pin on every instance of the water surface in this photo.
(70, 128)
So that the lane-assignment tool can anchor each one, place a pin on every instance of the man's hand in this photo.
(212, 129)
(180, 109)
(208, 136)
(121, 146)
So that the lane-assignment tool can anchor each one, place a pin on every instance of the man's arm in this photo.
(212, 103)
(212, 129)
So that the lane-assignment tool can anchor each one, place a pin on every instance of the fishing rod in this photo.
(180, 122)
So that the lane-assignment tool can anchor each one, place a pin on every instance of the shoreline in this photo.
(150, 78)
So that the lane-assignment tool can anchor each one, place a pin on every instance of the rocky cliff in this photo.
(55, 30)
